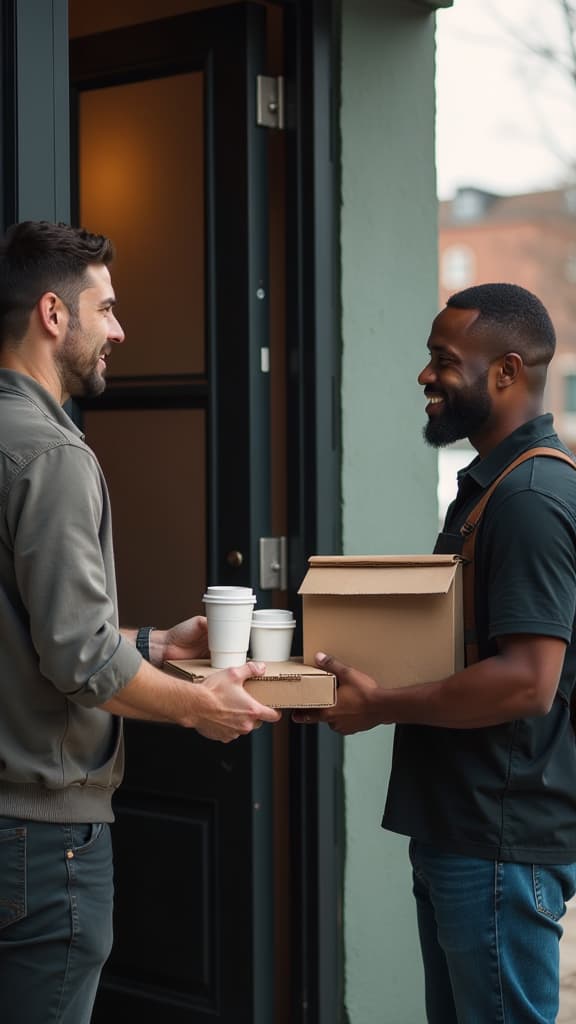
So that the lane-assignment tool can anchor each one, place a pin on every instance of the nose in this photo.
(426, 376)
(116, 334)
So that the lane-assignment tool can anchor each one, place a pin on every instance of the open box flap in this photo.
(380, 575)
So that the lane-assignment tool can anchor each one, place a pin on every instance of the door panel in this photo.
(183, 434)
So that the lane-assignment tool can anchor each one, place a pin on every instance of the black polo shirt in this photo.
(505, 792)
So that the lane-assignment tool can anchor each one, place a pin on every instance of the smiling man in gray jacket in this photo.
(67, 672)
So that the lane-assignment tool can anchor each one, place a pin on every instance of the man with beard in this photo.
(67, 673)
(484, 768)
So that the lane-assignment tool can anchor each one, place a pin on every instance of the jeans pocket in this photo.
(12, 875)
(554, 885)
(84, 837)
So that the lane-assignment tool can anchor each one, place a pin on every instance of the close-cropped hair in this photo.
(519, 319)
(38, 257)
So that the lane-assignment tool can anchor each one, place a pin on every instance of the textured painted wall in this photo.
(389, 297)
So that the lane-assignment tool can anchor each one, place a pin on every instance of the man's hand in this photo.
(184, 641)
(230, 711)
(352, 711)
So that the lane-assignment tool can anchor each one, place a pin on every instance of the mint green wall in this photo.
(389, 296)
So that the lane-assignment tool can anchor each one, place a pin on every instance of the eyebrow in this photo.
(444, 349)
(111, 301)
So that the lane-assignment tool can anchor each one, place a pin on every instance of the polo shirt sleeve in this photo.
(58, 519)
(529, 566)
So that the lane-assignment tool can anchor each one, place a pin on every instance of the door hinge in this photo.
(273, 563)
(270, 101)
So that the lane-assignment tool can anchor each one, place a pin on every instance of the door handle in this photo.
(273, 563)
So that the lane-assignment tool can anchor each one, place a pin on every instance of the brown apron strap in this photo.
(468, 531)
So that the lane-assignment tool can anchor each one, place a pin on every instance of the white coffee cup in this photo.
(229, 592)
(272, 615)
(229, 617)
(271, 640)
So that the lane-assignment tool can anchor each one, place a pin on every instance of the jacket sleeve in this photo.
(58, 519)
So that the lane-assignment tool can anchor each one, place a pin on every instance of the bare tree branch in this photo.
(569, 14)
(552, 43)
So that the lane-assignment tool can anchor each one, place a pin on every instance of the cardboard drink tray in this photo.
(287, 684)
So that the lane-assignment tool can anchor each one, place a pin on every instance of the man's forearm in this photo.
(490, 692)
(152, 695)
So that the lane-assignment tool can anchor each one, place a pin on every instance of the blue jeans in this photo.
(56, 893)
(489, 933)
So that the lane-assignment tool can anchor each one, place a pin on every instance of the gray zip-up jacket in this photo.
(61, 653)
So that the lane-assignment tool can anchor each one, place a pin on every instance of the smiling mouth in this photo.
(434, 402)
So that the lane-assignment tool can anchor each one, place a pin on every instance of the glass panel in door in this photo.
(141, 175)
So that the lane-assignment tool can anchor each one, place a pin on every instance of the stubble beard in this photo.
(80, 376)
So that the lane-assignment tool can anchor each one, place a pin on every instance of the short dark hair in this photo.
(520, 318)
(37, 257)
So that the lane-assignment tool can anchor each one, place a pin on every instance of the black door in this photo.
(182, 432)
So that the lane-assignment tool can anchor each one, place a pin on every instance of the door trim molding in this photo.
(314, 493)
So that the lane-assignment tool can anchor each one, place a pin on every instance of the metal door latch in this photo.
(273, 563)
(270, 101)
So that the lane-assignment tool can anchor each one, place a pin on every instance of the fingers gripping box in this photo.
(286, 684)
(398, 618)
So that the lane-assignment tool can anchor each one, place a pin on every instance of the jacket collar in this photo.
(27, 387)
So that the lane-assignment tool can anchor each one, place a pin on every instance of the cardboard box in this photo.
(397, 618)
(287, 684)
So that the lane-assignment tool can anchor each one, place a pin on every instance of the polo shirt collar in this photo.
(11, 380)
(539, 431)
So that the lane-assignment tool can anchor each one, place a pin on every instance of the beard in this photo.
(464, 413)
(77, 362)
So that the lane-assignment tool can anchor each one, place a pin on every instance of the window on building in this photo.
(457, 266)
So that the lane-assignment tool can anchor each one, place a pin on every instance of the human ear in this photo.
(50, 311)
(509, 369)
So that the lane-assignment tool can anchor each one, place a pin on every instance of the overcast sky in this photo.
(504, 118)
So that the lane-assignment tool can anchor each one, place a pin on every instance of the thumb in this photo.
(248, 670)
(330, 664)
(256, 668)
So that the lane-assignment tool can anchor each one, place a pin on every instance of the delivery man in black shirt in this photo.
(484, 769)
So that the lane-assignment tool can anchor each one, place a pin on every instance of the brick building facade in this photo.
(529, 240)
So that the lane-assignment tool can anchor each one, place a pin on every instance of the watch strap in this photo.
(143, 641)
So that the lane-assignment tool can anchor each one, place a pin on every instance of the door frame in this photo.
(314, 484)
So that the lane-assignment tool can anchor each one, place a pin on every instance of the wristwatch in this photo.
(143, 641)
